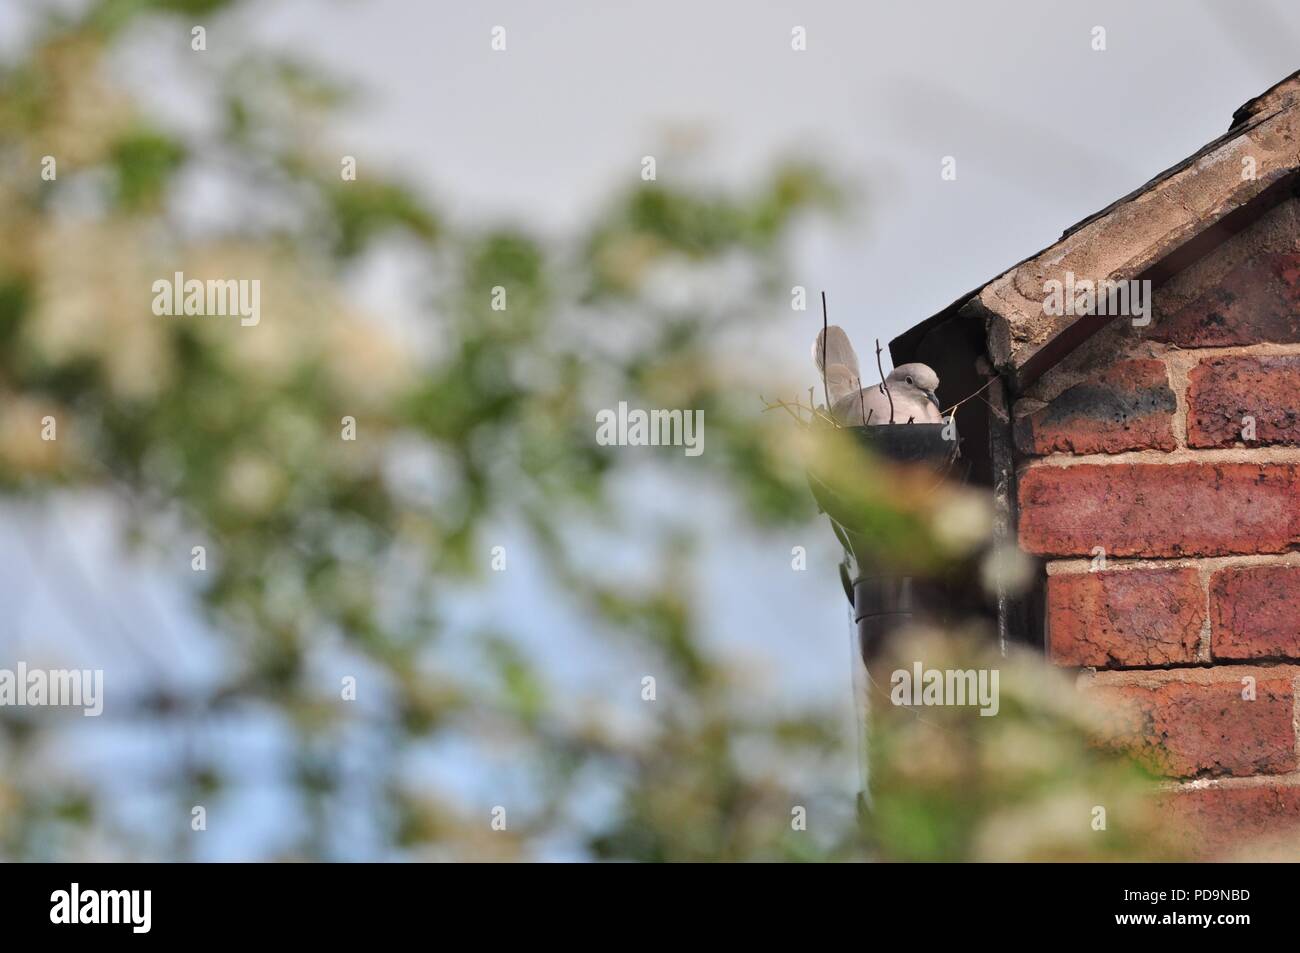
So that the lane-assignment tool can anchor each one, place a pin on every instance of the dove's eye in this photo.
(909, 380)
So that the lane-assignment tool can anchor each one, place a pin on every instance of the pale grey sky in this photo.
(1045, 130)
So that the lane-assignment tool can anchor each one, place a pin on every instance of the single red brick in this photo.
(1255, 612)
(1194, 722)
(1237, 821)
(1224, 390)
(1175, 509)
(1128, 406)
(1125, 617)
(1257, 301)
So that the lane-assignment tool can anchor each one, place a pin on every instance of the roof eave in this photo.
(1149, 234)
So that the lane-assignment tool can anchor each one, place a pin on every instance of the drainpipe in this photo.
(881, 602)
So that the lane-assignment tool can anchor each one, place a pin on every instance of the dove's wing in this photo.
(867, 406)
(834, 344)
(870, 407)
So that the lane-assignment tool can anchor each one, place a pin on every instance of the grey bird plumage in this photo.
(833, 353)
(911, 387)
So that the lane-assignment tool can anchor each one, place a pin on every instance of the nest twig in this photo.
(884, 388)
(815, 413)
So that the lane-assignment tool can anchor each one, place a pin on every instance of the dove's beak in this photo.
(934, 400)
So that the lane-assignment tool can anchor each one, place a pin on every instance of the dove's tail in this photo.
(832, 347)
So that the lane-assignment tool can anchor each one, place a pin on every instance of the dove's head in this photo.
(920, 376)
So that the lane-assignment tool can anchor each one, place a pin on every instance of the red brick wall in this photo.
(1172, 539)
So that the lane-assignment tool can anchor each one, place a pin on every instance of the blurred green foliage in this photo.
(1026, 784)
(208, 431)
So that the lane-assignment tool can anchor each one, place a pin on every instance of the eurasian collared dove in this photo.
(911, 387)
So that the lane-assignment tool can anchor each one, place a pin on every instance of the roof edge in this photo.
(1022, 349)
